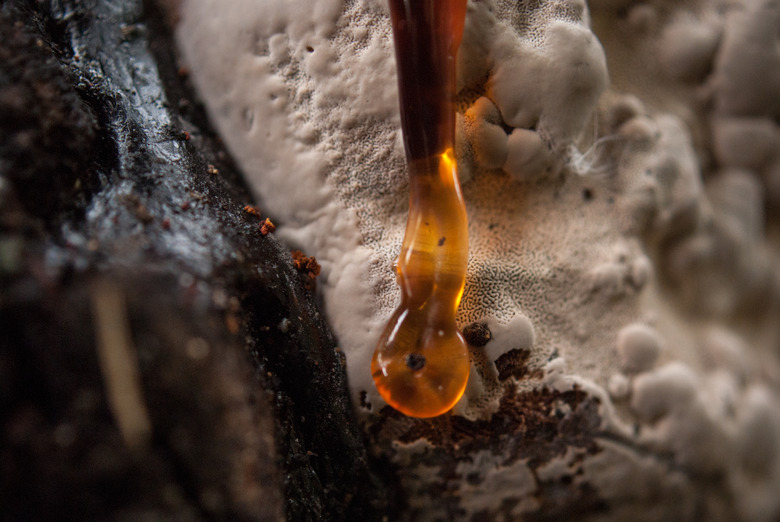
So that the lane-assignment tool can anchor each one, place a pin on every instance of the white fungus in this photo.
(663, 219)
(748, 143)
(619, 386)
(663, 391)
(747, 68)
(638, 347)
(528, 156)
(687, 47)
(517, 334)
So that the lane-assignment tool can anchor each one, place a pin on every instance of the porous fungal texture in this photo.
(623, 194)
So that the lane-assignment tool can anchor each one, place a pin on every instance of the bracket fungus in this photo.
(631, 301)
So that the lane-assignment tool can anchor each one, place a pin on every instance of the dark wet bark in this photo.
(121, 212)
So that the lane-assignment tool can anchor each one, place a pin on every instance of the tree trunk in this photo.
(160, 355)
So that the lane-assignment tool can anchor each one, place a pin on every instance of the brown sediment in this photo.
(543, 423)
(513, 364)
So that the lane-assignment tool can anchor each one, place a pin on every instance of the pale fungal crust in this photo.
(620, 252)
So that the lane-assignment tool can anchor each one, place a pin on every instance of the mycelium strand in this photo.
(421, 362)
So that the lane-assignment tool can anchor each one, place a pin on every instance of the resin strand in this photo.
(421, 363)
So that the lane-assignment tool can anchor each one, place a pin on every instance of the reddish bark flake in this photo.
(305, 265)
(267, 227)
(252, 210)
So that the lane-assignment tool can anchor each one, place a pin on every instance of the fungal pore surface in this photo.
(620, 164)
(421, 362)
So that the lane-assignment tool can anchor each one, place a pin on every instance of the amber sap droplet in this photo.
(421, 363)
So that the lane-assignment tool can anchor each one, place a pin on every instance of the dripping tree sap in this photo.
(421, 363)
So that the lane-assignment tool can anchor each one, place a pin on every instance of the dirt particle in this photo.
(477, 334)
(415, 361)
(364, 401)
(284, 325)
(513, 364)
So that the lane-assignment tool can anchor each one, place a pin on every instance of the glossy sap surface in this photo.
(421, 363)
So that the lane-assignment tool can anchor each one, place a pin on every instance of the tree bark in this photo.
(160, 355)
